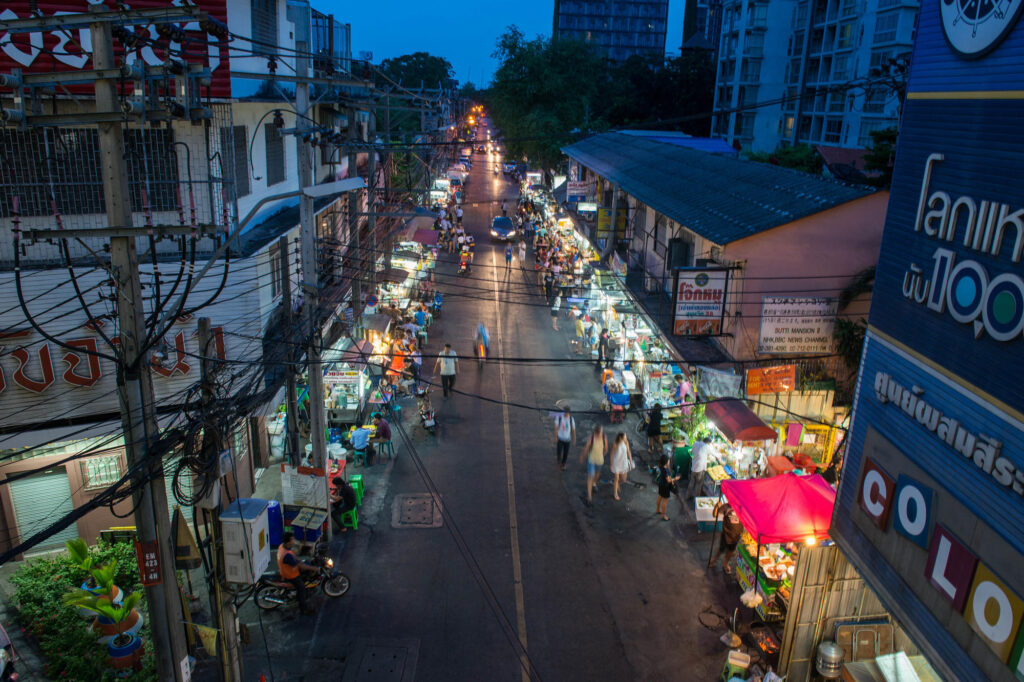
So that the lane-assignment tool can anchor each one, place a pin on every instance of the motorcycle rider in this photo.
(482, 337)
(291, 569)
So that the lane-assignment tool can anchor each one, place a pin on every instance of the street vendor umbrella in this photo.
(786, 508)
(737, 421)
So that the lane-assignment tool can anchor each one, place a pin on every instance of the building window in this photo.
(846, 36)
(234, 159)
(834, 129)
(274, 141)
(100, 472)
(840, 67)
(865, 140)
(874, 101)
(240, 440)
(754, 45)
(752, 70)
(886, 26)
(264, 26)
(787, 126)
(849, 8)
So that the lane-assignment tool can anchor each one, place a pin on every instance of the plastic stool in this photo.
(359, 456)
(606, 375)
(735, 666)
(350, 519)
(396, 412)
(389, 447)
(616, 415)
(356, 481)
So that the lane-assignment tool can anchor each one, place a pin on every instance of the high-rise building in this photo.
(620, 28)
(810, 71)
(702, 25)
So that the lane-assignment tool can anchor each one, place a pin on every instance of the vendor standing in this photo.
(732, 531)
(698, 466)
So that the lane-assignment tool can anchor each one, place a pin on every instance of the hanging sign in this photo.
(796, 325)
(699, 301)
(778, 379)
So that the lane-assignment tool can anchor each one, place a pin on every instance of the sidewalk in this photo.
(28, 664)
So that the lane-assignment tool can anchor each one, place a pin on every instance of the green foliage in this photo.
(881, 154)
(849, 338)
(64, 638)
(801, 157)
(418, 68)
(863, 283)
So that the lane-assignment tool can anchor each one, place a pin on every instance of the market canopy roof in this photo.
(737, 421)
(396, 275)
(427, 236)
(359, 354)
(376, 323)
(786, 508)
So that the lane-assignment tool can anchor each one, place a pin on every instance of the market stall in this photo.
(346, 381)
(740, 451)
(782, 518)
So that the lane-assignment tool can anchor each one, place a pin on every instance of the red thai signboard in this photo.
(69, 50)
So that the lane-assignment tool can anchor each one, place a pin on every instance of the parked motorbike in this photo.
(7, 672)
(272, 592)
(426, 411)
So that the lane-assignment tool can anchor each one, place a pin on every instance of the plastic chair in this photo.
(350, 519)
(356, 481)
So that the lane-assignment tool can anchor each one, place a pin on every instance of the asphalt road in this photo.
(608, 592)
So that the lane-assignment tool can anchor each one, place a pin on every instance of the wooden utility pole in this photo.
(360, 257)
(134, 381)
(222, 606)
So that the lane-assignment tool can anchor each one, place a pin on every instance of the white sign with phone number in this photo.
(796, 325)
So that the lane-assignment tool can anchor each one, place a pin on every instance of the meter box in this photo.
(245, 532)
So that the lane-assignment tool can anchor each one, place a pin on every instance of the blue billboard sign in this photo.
(931, 506)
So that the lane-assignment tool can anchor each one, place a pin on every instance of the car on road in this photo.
(480, 149)
(508, 167)
(502, 228)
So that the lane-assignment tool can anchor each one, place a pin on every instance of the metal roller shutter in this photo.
(39, 500)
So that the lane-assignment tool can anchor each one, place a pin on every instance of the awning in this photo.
(395, 275)
(734, 419)
(359, 354)
(376, 323)
(786, 508)
(423, 221)
(427, 237)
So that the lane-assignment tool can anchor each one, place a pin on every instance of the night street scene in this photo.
(551, 341)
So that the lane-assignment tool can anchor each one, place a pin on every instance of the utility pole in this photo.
(290, 388)
(223, 609)
(310, 271)
(360, 258)
(134, 382)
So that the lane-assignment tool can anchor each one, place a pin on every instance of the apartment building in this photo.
(620, 28)
(810, 71)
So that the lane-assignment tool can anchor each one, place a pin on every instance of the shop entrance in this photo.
(39, 500)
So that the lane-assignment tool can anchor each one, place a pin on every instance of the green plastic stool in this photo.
(359, 457)
(350, 519)
(356, 481)
(389, 448)
(735, 666)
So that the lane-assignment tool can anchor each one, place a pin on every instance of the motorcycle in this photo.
(481, 352)
(271, 592)
(435, 309)
(426, 411)
(7, 671)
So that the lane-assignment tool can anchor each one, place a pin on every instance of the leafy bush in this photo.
(65, 640)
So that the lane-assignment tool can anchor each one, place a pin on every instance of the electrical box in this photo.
(246, 536)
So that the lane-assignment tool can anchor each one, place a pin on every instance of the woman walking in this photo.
(554, 311)
(654, 430)
(665, 481)
(622, 462)
(593, 452)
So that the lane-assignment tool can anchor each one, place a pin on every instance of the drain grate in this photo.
(381, 660)
(419, 510)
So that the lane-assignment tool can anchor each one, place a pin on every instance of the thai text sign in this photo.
(604, 223)
(779, 379)
(796, 325)
(147, 554)
(699, 301)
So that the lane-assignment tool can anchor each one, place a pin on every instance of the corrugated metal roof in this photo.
(720, 198)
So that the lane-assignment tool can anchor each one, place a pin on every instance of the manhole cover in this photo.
(382, 664)
(575, 404)
(419, 510)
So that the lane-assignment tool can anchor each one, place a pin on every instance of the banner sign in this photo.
(618, 265)
(778, 379)
(796, 325)
(699, 301)
(586, 207)
(64, 50)
(604, 223)
(575, 191)
(714, 383)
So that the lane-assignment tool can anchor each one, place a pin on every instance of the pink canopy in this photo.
(786, 508)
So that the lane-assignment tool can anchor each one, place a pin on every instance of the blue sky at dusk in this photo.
(463, 32)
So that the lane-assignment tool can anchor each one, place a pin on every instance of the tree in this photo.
(418, 68)
(801, 157)
(880, 155)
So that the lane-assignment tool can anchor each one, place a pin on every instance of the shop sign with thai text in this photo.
(777, 379)
(699, 301)
(796, 325)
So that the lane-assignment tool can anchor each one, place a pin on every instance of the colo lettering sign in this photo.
(699, 301)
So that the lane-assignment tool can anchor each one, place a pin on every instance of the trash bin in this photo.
(681, 458)
(275, 522)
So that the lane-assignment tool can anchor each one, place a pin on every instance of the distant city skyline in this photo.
(465, 35)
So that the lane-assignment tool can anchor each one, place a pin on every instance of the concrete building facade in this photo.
(620, 28)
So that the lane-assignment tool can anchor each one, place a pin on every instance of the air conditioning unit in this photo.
(245, 531)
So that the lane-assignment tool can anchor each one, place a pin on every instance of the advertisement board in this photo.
(796, 325)
(586, 207)
(778, 379)
(604, 223)
(575, 191)
(65, 50)
(699, 301)
(931, 506)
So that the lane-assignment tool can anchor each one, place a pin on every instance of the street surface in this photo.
(610, 592)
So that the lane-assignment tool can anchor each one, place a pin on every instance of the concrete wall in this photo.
(814, 256)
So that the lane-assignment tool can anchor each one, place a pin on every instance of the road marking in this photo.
(513, 517)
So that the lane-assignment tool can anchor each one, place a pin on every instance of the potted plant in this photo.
(105, 593)
(118, 622)
(80, 556)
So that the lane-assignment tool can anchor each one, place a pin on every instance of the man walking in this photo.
(602, 348)
(448, 362)
(522, 254)
(504, 208)
(458, 215)
(508, 256)
(565, 435)
(698, 466)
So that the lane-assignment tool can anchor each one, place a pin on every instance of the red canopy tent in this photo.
(737, 421)
(786, 508)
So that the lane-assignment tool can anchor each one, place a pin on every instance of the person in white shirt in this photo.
(458, 215)
(698, 466)
(448, 362)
